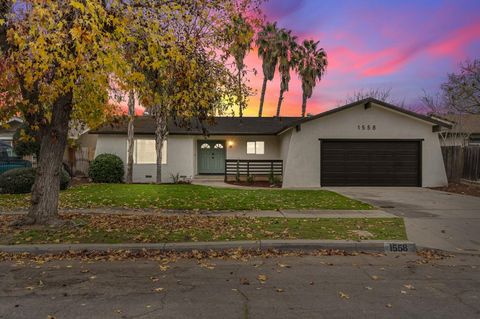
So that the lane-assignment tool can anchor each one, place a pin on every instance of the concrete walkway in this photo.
(433, 219)
(288, 213)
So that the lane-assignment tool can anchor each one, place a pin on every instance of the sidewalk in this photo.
(287, 213)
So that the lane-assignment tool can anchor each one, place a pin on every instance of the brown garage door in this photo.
(370, 163)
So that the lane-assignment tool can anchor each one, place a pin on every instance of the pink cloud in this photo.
(455, 43)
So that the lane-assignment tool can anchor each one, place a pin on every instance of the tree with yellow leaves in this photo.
(60, 55)
(185, 77)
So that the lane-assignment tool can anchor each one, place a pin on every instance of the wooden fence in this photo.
(471, 163)
(245, 168)
(78, 161)
(462, 162)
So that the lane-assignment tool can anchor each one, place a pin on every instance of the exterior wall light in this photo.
(230, 144)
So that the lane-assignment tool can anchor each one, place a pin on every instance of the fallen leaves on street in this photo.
(165, 257)
(343, 295)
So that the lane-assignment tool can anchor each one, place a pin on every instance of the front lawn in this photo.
(102, 228)
(190, 197)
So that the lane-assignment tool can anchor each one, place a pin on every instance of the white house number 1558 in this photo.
(367, 127)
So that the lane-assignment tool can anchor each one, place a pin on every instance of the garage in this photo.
(370, 162)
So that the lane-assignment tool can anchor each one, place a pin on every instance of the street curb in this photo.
(378, 246)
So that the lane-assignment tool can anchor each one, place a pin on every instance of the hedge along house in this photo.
(366, 143)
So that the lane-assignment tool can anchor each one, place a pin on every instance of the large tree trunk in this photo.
(161, 132)
(262, 96)
(240, 95)
(304, 105)
(131, 118)
(46, 189)
(280, 100)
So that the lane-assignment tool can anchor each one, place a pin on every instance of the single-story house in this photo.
(464, 131)
(7, 130)
(366, 143)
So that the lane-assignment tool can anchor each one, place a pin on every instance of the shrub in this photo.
(25, 141)
(274, 179)
(180, 179)
(20, 180)
(106, 168)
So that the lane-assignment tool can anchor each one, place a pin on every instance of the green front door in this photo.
(211, 157)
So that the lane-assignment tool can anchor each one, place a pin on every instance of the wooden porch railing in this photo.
(238, 167)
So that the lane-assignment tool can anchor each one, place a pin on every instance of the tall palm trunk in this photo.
(280, 100)
(262, 96)
(304, 105)
(240, 95)
(131, 118)
(46, 189)
(160, 137)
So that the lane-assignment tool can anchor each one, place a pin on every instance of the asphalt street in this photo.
(362, 286)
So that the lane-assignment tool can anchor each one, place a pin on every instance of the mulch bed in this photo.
(458, 188)
(265, 184)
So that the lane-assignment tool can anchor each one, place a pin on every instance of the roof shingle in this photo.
(221, 126)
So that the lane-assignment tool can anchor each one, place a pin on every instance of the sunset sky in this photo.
(404, 45)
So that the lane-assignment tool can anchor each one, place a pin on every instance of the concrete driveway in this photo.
(433, 219)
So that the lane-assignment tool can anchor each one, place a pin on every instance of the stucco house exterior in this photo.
(365, 143)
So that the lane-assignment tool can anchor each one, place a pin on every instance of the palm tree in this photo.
(312, 63)
(286, 47)
(239, 37)
(266, 43)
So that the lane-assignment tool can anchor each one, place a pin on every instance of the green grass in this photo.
(100, 228)
(190, 197)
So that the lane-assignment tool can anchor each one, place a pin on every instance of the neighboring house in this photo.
(465, 130)
(368, 142)
(8, 129)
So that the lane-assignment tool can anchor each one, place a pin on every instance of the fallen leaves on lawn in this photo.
(280, 290)
(159, 289)
(159, 228)
(409, 286)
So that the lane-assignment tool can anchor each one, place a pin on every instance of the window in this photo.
(218, 145)
(256, 147)
(6, 150)
(205, 146)
(474, 139)
(144, 152)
